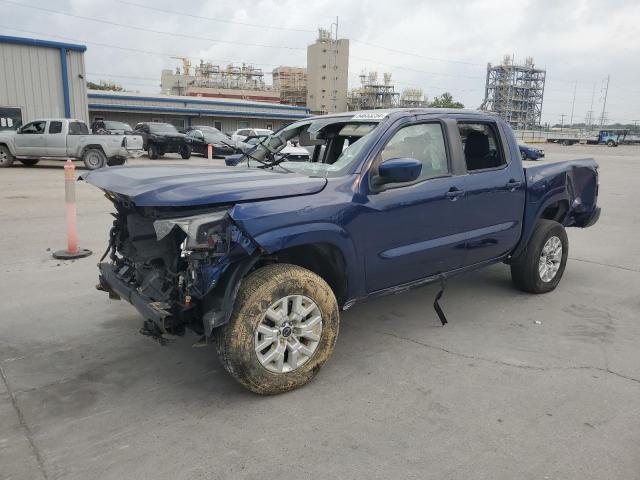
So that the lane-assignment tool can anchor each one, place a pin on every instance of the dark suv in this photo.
(161, 138)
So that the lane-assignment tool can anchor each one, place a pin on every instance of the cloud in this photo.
(582, 40)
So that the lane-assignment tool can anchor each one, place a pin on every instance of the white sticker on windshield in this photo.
(370, 115)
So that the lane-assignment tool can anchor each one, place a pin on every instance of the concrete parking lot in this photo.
(516, 386)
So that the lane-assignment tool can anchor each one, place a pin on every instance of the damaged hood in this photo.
(180, 186)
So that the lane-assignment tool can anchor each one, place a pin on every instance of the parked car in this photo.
(245, 133)
(103, 127)
(260, 261)
(527, 152)
(202, 136)
(161, 138)
(63, 138)
(292, 152)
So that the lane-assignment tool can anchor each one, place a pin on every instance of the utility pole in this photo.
(573, 104)
(562, 115)
(589, 118)
(604, 103)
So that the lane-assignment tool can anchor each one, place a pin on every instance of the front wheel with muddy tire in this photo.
(283, 328)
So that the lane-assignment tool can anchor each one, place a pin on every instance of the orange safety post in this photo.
(209, 153)
(72, 250)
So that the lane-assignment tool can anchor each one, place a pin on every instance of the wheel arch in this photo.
(555, 207)
(326, 241)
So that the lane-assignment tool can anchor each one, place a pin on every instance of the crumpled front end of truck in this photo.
(178, 271)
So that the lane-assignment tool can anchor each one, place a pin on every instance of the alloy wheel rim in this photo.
(3, 157)
(93, 159)
(288, 333)
(550, 259)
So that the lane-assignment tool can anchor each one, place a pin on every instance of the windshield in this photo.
(335, 144)
(216, 137)
(162, 128)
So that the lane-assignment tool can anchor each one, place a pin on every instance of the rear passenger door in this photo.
(495, 191)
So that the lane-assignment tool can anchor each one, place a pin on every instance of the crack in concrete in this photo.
(23, 424)
(509, 364)
(620, 267)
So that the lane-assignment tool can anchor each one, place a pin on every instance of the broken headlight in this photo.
(203, 231)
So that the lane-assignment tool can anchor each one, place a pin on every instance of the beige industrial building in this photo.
(40, 79)
(244, 82)
(327, 74)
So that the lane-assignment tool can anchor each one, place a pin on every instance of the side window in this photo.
(55, 127)
(34, 127)
(424, 142)
(481, 146)
(78, 128)
(218, 125)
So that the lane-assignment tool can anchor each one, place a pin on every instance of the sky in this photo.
(436, 45)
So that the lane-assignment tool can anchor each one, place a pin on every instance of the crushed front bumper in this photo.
(111, 282)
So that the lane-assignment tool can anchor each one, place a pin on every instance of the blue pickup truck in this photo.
(259, 259)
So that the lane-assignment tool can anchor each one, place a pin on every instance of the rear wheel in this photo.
(29, 162)
(610, 143)
(185, 152)
(283, 328)
(6, 159)
(152, 151)
(540, 267)
(94, 158)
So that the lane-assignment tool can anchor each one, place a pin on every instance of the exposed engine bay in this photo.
(170, 268)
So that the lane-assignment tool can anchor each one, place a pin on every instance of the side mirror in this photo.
(19, 130)
(398, 170)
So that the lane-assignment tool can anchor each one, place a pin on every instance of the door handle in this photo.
(513, 184)
(454, 193)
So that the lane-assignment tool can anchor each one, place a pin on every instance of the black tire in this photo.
(152, 151)
(6, 159)
(610, 143)
(235, 341)
(523, 155)
(115, 162)
(29, 162)
(185, 152)
(94, 158)
(525, 271)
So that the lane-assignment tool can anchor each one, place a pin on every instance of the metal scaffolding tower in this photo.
(515, 92)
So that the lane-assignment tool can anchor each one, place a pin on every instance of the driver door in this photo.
(413, 230)
(30, 139)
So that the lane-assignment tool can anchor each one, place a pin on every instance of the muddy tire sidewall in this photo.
(236, 341)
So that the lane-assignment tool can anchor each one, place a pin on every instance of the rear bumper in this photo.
(110, 282)
(123, 153)
(591, 219)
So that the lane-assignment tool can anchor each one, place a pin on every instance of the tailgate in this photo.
(134, 142)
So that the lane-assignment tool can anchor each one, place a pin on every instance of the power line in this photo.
(130, 49)
(211, 19)
(404, 52)
(399, 67)
(139, 28)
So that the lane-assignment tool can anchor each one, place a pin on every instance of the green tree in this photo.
(445, 101)
(111, 86)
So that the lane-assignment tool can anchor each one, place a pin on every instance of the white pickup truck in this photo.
(63, 138)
